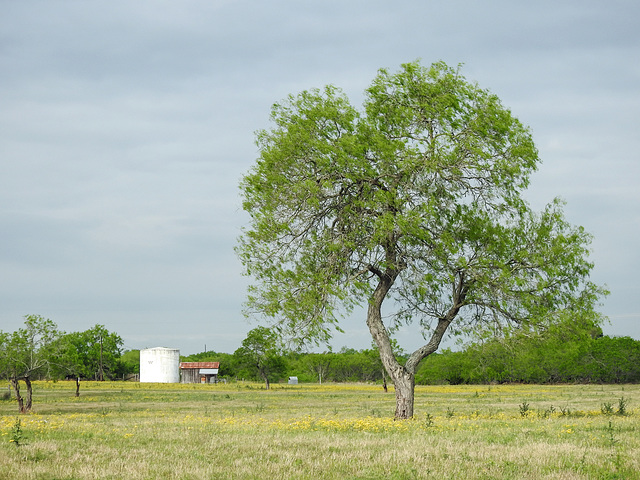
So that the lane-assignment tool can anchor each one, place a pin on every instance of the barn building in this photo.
(199, 372)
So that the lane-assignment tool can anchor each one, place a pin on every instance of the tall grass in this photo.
(344, 431)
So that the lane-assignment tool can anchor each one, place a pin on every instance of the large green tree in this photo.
(97, 352)
(94, 354)
(414, 200)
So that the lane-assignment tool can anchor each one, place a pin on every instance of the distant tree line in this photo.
(347, 365)
(565, 352)
(515, 359)
(554, 356)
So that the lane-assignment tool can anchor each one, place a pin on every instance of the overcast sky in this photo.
(126, 126)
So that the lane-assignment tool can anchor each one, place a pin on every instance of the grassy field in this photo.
(343, 431)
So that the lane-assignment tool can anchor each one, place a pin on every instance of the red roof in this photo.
(184, 365)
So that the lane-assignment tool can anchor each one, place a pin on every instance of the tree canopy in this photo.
(260, 352)
(416, 198)
(94, 353)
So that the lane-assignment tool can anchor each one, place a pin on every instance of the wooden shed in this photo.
(199, 372)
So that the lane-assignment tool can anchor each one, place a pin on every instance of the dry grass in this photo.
(142, 431)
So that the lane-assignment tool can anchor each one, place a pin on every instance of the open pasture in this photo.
(334, 431)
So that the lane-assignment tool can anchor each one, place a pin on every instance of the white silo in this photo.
(160, 365)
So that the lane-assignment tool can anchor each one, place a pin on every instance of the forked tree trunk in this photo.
(403, 376)
(403, 379)
(24, 404)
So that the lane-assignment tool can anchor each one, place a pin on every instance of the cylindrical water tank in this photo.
(160, 365)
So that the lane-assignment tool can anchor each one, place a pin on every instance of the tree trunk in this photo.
(403, 376)
(29, 398)
(265, 378)
(24, 404)
(77, 386)
(403, 379)
(16, 387)
(404, 387)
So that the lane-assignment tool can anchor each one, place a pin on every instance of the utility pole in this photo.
(100, 373)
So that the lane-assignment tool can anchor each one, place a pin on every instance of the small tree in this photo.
(415, 200)
(318, 364)
(260, 352)
(100, 351)
(26, 353)
(94, 353)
